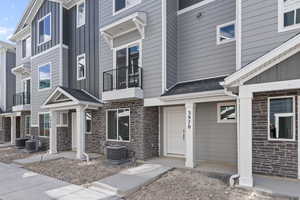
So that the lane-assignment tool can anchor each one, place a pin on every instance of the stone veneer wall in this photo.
(274, 158)
(45, 141)
(5, 132)
(64, 136)
(143, 130)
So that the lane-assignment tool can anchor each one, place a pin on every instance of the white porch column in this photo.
(13, 132)
(80, 115)
(245, 139)
(53, 133)
(190, 109)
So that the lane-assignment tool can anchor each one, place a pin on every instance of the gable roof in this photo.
(270, 59)
(204, 85)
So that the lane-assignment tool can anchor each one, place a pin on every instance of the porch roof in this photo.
(204, 85)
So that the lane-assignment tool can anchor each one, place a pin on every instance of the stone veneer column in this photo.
(190, 134)
(13, 130)
(53, 133)
(245, 139)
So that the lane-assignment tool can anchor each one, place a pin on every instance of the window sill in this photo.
(225, 42)
(282, 140)
(226, 121)
(79, 25)
(45, 89)
(119, 141)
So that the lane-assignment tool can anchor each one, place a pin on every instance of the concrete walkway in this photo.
(129, 181)
(19, 184)
(277, 186)
(5, 145)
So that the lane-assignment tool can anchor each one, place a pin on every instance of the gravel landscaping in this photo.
(183, 184)
(9, 154)
(75, 171)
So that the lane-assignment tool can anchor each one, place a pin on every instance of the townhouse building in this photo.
(201, 80)
(7, 88)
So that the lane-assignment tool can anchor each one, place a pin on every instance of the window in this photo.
(88, 118)
(44, 29)
(80, 14)
(226, 33)
(118, 122)
(26, 47)
(281, 118)
(182, 4)
(288, 14)
(62, 119)
(27, 124)
(81, 67)
(45, 77)
(44, 125)
(226, 112)
(120, 5)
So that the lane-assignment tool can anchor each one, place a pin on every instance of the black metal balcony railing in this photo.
(122, 78)
(22, 98)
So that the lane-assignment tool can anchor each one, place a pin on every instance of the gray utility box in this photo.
(117, 154)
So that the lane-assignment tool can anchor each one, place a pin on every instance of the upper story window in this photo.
(288, 15)
(226, 33)
(226, 112)
(182, 4)
(44, 29)
(88, 121)
(81, 67)
(120, 5)
(281, 119)
(26, 47)
(45, 77)
(80, 14)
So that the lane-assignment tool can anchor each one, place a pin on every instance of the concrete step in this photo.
(131, 180)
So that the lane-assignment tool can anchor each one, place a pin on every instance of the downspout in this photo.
(235, 176)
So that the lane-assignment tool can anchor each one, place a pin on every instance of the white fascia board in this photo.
(192, 95)
(265, 62)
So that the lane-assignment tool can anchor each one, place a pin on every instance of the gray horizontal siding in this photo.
(286, 70)
(152, 53)
(46, 8)
(260, 29)
(38, 97)
(214, 141)
(84, 39)
(19, 59)
(198, 54)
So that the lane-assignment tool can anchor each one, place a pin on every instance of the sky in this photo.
(11, 12)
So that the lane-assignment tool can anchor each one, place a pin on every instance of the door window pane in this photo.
(289, 18)
(123, 124)
(44, 76)
(118, 122)
(88, 122)
(119, 4)
(112, 125)
(285, 126)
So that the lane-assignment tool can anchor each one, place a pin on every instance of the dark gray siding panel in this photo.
(46, 8)
(199, 56)
(171, 42)
(84, 39)
(260, 29)
(65, 67)
(10, 79)
(286, 70)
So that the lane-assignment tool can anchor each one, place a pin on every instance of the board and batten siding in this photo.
(214, 141)
(84, 39)
(38, 97)
(198, 54)
(46, 8)
(10, 79)
(172, 7)
(286, 70)
(260, 29)
(151, 45)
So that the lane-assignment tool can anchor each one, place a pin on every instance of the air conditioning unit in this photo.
(117, 154)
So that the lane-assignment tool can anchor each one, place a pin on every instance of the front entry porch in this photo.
(75, 104)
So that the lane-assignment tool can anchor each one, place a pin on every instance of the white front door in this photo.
(174, 118)
(74, 132)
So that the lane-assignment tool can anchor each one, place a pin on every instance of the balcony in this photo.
(124, 83)
(21, 102)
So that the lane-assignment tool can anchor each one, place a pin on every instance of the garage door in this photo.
(214, 141)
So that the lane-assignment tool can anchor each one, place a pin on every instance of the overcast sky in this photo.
(10, 14)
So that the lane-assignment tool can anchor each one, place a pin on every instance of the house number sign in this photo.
(189, 119)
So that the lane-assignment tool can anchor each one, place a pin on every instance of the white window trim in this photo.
(89, 133)
(60, 116)
(111, 140)
(43, 113)
(131, 44)
(219, 42)
(27, 55)
(84, 77)
(26, 117)
(219, 105)
(45, 89)
(38, 31)
(281, 27)
(77, 13)
(123, 9)
(293, 114)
